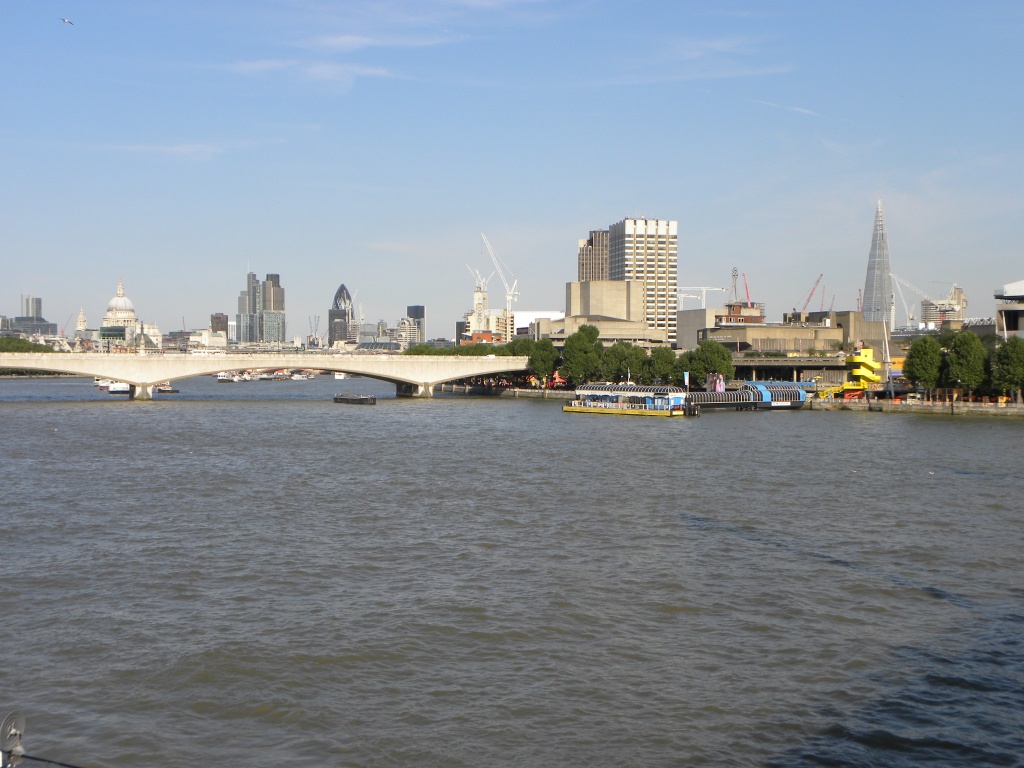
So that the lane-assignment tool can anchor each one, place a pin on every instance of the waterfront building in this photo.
(646, 251)
(617, 308)
(1010, 310)
(483, 324)
(593, 257)
(690, 323)
(879, 303)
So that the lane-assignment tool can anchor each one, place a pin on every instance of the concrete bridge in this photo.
(413, 375)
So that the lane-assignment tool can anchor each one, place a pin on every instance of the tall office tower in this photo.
(271, 311)
(593, 256)
(31, 307)
(341, 323)
(261, 311)
(879, 302)
(247, 321)
(417, 314)
(646, 250)
(272, 294)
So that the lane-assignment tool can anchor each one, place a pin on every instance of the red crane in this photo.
(747, 289)
(813, 289)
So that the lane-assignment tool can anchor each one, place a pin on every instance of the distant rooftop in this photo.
(1013, 291)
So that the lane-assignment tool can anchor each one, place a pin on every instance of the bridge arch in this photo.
(413, 375)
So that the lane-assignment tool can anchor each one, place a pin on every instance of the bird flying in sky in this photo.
(68, 21)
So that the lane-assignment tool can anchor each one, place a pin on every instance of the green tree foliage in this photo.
(543, 359)
(10, 344)
(662, 361)
(625, 362)
(581, 356)
(687, 363)
(716, 358)
(1008, 365)
(924, 362)
(519, 346)
(965, 362)
(709, 357)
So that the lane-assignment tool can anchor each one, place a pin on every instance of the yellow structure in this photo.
(863, 370)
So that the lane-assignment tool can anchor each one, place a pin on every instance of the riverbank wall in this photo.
(498, 391)
(957, 408)
(878, 406)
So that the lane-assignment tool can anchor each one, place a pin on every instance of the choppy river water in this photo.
(251, 574)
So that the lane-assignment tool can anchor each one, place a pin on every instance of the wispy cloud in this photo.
(199, 151)
(689, 49)
(800, 110)
(345, 74)
(351, 43)
(262, 65)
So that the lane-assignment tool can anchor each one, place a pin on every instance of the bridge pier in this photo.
(141, 391)
(425, 389)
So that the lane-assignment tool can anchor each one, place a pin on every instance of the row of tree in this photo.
(964, 360)
(584, 358)
(12, 344)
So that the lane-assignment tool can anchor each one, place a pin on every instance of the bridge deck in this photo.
(414, 375)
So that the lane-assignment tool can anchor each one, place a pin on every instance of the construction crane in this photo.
(747, 289)
(811, 294)
(511, 294)
(906, 308)
(703, 296)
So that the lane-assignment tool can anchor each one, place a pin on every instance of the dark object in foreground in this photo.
(355, 399)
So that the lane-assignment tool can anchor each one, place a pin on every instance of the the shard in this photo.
(879, 302)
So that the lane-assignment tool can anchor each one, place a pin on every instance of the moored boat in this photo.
(119, 388)
(345, 397)
(629, 400)
(634, 400)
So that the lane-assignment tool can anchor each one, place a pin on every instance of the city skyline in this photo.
(370, 143)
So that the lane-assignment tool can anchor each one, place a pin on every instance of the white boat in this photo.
(225, 377)
(340, 375)
(119, 388)
(103, 384)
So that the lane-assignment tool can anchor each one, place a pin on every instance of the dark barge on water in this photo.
(636, 400)
(355, 399)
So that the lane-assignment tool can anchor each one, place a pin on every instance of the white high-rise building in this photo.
(647, 251)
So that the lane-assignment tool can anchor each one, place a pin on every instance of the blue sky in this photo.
(176, 145)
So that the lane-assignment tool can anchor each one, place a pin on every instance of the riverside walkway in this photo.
(413, 375)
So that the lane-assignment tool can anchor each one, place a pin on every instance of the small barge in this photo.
(634, 400)
(356, 399)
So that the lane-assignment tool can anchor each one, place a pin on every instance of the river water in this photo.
(251, 574)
